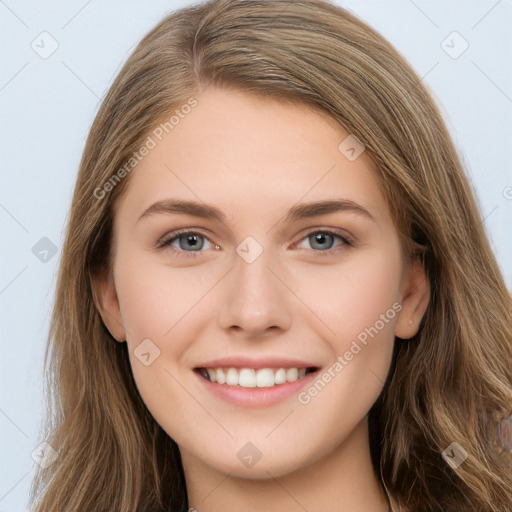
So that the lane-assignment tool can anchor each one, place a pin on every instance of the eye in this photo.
(324, 239)
(186, 239)
(191, 242)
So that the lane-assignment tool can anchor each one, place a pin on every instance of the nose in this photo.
(257, 298)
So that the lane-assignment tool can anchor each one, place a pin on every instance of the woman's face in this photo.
(266, 289)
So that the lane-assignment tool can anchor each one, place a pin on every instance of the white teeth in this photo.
(232, 377)
(292, 374)
(221, 376)
(247, 378)
(250, 378)
(265, 378)
(280, 376)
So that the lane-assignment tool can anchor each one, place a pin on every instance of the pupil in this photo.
(321, 238)
(192, 240)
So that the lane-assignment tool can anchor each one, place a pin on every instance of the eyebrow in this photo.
(297, 212)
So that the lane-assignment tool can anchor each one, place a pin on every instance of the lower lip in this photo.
(256, 398)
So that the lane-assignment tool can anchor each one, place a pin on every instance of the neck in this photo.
(344, 481)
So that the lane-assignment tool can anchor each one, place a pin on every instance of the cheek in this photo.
(350, 298)
(162, 311)
(358, 305)
(155, 299)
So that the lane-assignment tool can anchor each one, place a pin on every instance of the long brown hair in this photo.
(450, 383)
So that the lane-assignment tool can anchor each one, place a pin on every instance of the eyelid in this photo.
(324, 229)
(171, 235)
(164, 243)
(346, 240)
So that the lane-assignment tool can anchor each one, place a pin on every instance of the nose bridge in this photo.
(256, 298)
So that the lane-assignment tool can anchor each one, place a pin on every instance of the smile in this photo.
(252, 377)
(256, 384)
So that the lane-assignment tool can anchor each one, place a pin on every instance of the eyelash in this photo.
(174, 235)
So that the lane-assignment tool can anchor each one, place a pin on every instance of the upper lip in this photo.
(261, 362)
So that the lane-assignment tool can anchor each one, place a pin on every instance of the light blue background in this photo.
(47, 107)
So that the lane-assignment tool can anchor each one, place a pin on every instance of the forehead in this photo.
(238, 149)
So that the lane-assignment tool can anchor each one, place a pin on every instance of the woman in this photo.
(260, 370)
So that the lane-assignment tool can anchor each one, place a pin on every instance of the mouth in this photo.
(250, 387)
(254, 377)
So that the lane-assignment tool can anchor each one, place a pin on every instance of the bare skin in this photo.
(304, 297)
